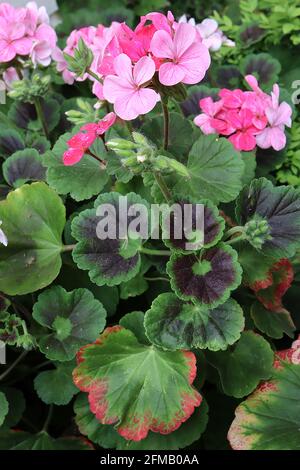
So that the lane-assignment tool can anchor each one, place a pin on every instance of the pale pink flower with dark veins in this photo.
(186, 58)
(127, 89)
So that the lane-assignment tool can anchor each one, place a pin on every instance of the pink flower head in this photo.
(212, 37)
(279, 116)
(232, 99)
(244, 137)
(13, 40)
(187, 60)
(127, 89)
(80, 142)
(43, 45)
(210, 109)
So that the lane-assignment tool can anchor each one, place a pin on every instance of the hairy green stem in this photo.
(48, 419)
(14, 364)
(233, 231)
(162, 186)
(157, 279)
(66, 248)
(150, 251)
(41, 116)
(234, 240)
(94, 75)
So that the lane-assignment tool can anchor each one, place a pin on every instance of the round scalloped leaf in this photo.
(56, 386)
(265, 67)
(273, 324)
(228, 76)
(242, 368)
(33, 219)
(83, 180)
(3, 408)
(270, 418)
(173, 324)
(101, 434)
(205, 278)
(280, 207)
(155, 386)
(10, 142)
(16, 406)
(185, 221)
(190, 106)
(215, 171)
(20, 440)
(22, 167)
(38, 142)
(180, 133)
(112, 260)
(255, 267)
(69, 320)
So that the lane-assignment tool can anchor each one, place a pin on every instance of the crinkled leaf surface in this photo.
(56, 386)
(270, 418)
(280, 207)
(243, 367)
(83, 180)
(137, 387)
(69, 320)
(173, 324)
(206, 278)
(112, 260)
(33, 219)
(215, 171)
(22, 167)
(273, 324)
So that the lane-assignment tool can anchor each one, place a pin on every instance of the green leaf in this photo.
(10, 142)
(270, 418)
(173, 219)
(22, 167)
(263, 66)
(280, 208)
(242, 368)
(83, 180)
(205, 278)
(173, 324)
(180, 133)
(273, 324)
(155, 386)
(112, 260)
(69, 320)
(20, 440)
(250, 166)
(3, 408)
(137, 285)
(33, 219)
(24, 116)
(134, 321)
(215, 171)
(16, 406)
(255, 266)
(56, 386)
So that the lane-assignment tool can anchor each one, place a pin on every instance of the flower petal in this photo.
(115, 87)
(195, 62)
(162, 45)
(143, 70)
(184, 38)
(123, 67)
(171, 74)
(72, 156)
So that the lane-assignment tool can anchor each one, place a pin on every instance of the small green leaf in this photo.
(16, 406)
(134, 321)
(10, 142)
(173, 324)
(33, 219)
(3, 408)
(273, 324)
(56, 386)
(215, 171)
(242, 368)
(69, 320)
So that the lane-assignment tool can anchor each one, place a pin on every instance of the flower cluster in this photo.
(79, 144)
(24, 32)
(126, 60)
(247, 118)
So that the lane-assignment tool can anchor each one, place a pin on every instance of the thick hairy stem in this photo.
(41, 117)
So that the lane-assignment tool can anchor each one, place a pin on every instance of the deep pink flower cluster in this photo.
(126, 60)
(247, 118)
(25, 32)
(80, 142)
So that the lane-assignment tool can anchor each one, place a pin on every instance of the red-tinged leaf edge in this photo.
(269, 291)
(99, 405)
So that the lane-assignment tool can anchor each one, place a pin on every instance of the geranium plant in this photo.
(145, 246)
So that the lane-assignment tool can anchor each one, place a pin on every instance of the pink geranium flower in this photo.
(127, 89)
(210, 109)
(187, 60)
(43, 45)
(279, 116)
(80, 142)
(244, 137)
(13, 40)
